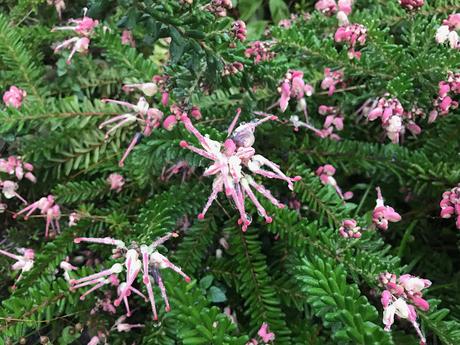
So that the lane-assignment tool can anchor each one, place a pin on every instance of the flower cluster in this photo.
(448, 31)
(176, 114)
(260, 51)
(330, 7)
(177, 168)
(394, 119)
(24, 262)
(265, 336)
(219, 7)
(232, 68)
(325, 174)
(450, 204)
(14, 97)
(48, 208)
(148, 118)
(84, 28)
(333, 121)
(15, 165)
(293, 86)
(444, 102)
(350, 229)
(127, 38)
(382, 214)
(239, 30)
(411, 4)
(229, 159)
(150, 264)
(353, 35)
(397, 295)
(116, 182)
(331, 79)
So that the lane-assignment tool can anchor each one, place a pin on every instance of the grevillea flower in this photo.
(448, 31)
(260, 51)
(150, 264)
(350, 229)
(176, 114)
(74, 218)
(353, 35)
(293, 86)
(9, 190)
(127, 38)
(15, 165)
(116, 182)
(444, 102)
(67, 267)
(219, 7)
(327, 7)
(229, 159)
(382, 214)
(59, 5)
(450, 204)
(232, 68)
(411, 4)
(395, 299)
(265, 334)
(333, 121)
(239, 30)
(177, 168)
(148, 118)
(24, 262)
(331, 79)
(84, 28)
(14, 97)
(47, 208)
(148, 89)
(325, 174)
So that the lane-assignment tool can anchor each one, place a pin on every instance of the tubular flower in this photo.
(148, 118)
(353, 35)
(395, 299)
(137, 259)
(350, 229)
(448, 31)
(331, 79)
(260, 51)
(293, 86)
(15, 165)
(219, 7)
(229, 159)
(14, 97)
(325, 174)
(84, 29)
(444, 102)
(24, 262)
(47, 208)
(382, 214)
(9, 190)
(450, 204)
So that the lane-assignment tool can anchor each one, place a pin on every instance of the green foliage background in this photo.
(296, 274)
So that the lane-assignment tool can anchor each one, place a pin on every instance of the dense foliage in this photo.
(302, 271)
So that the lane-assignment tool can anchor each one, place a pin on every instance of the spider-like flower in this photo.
(15, 165)
(47, 208)
(148, 118)
(229, 159)
(14, 97)
(325, 174)
(450, 204)
(382, 214)
(350, 229)
(84, 28)
(24, 262)
(353, 35)
(397, 295)
(150, 264)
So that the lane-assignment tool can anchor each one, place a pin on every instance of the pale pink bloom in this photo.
(353, 35)
(24, 262)
(127, 38)
(67, 267)
(345, 6)
(9, 190)
(231, 315)
(450, 204)
(232, 68)
(15, 165)
(176, 114)
(14, 97)
(265, 334)
(94, 340)
(260, 51)
(448, 31)
(150, 264)
(116, 182)
(180, 167)
(331, 79)
(59, 5)
(293, 86)
(74, 218)
(325, 174)
(382, 214)
(444, 102)
(148, 89)
(148, 118)
(333, 121)
(126, 327)
(239, 30)
(411, 4)
(328, 7)
(47, 208)
(350, 229)
(219, 7)
(229, 160)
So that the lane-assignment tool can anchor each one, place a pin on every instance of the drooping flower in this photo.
(24, 262)
(116, 182)
(353, 35)
(15, 165)
(382, 214)
(331, 79)
(150, 264)
(260, 51)
(350, 229)
(127, 38)
(450, 204)
(448, 31)
(14, 97)
(229, 160)
(148, 118)
(293, 86)
(325, 174)
(84, 29)
(48, 208)
(445, 102)
(397, 296)
(411, 4)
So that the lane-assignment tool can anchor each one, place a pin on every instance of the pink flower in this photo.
(382, 214)
(411, 4)
(67, 267)
(47, 208)
(94, 341)
(444, 102)
(148, 89)
(24, 262)
(219, 7)
(349, 229)
(74, 218)
(9, 190)
(450, 204)
(15, 165)
(148, 118)
(328, 7)
(229, 160)
(151, 263)
(14, 97)
(265, 334)
(239, 30)
(260, 51)
(448, 31)
(353, 35)
(116, 182)
(331, 79)
(232, 68)
(127, 38)
(345, 6)
(293, 86)
(180, 167)
(59, 5)
(325, 174)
